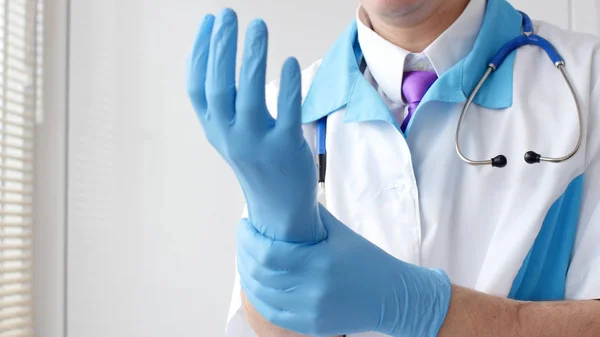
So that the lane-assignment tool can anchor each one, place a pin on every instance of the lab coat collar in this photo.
(339, 82)
(386, 61)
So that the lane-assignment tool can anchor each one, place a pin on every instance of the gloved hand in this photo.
(270, 158)
(342, 285)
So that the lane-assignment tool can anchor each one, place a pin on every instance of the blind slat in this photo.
(14, 180)
(9, 281)
(8, 270)
(15, 257)
(15, 202)
(26, 116)
(25, 92)
(10, 77)
(24, 170)
(10, 44)
(15, 313)
(18, 35)
(19, 65)
(27, 214)
(22, 333)
(14, 246)
(16, 191)
(13, 292)
(17, 135)
(5, 235)
(17, 158)
(15, 303)
(22, 148)
(28, 105)
(7, 326)
(14, 224)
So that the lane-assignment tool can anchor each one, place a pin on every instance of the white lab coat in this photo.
(413, 197)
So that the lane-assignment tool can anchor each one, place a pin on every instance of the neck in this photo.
(417, 28)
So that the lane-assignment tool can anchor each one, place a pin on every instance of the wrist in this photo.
(422, 298)
(287, 224)
(472, 313)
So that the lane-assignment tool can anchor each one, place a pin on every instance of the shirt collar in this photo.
(458, 40)
(339, 82)
(384, 59)
(387, 62)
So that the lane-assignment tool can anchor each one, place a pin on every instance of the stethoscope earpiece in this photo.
(499, 161)
(532, 157)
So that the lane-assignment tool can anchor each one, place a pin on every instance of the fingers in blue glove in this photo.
(272, 310)
(289, 109)
(268, 164)
(251, 107)
(273, 282)
(196, 66)
(269, 312)
(220, 76)
(253, 251)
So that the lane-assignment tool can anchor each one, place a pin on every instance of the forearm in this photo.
(474, 314)
(260, 325)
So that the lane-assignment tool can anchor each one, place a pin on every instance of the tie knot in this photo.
(416, 83)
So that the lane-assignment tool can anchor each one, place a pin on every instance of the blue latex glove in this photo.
(342, 285)
(270, 158)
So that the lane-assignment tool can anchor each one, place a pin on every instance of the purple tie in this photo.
(414, 86)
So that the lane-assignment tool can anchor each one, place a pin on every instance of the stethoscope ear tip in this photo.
(499, 161)
(532, 157)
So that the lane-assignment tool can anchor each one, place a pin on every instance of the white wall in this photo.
(151, 207)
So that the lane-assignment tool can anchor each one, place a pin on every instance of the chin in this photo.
(393, 8)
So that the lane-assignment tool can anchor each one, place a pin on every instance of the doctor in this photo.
(412, 241)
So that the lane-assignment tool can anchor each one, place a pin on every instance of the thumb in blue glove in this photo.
(269, 157)
(342, 285)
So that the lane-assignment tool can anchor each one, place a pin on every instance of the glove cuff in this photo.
(423, 298)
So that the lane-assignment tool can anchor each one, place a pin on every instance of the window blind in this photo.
(20, 87)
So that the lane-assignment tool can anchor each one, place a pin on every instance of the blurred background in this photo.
(134, 214)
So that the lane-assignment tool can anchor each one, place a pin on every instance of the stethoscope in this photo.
(531, 157)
